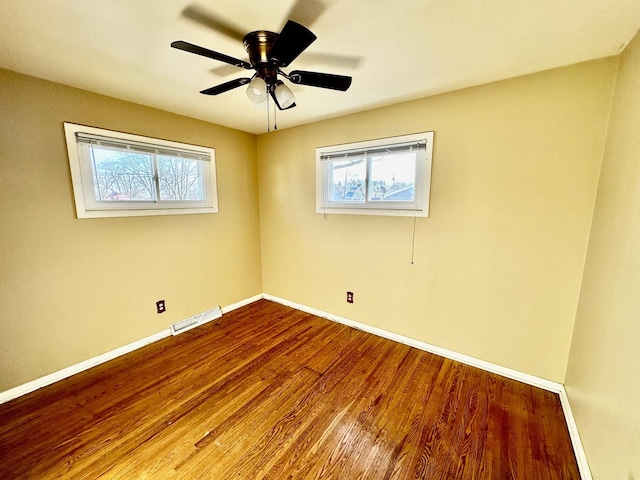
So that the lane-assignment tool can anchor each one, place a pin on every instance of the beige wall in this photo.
(498, 262)
(72, 289)
(604, 365)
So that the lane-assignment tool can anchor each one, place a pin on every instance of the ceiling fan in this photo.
(268, 52)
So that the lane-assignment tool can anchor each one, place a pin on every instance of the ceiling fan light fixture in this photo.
(268, 53)
(257, 90)
(284, 96)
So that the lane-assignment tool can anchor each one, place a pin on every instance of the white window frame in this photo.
(87, 206)
(422, 185)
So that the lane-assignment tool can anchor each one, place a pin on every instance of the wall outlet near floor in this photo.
(349, 297)
(160, 308)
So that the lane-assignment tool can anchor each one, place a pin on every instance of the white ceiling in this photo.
(406, 48)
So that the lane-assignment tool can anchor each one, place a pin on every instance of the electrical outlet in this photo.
(160, 306)
(349, 297)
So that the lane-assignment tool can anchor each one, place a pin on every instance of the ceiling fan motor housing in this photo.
(268, 53)
(258, 44)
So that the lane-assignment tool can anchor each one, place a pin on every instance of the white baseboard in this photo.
(578, 449)
(443, 352)
(543, 383)
(466, 359)
(79, 367)
(242, 303)
(41, 382)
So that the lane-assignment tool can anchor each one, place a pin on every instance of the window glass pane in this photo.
(348, 180)
(392, 178)
(180, 179)
(122, 176)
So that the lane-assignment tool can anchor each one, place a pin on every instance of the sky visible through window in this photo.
(128, 176)
(122, 176)
(390, 177)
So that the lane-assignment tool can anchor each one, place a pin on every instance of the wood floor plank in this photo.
(268, 392)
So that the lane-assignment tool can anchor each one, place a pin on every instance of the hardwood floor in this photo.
(268, 392)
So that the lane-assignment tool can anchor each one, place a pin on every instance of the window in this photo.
(117, 174)
(391, 176)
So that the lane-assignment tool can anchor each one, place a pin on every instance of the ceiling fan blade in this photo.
(291, 42)
(205, 52)
(306, 11)
(211, 20)
(275, 100)
(225, 87)
(322, 80)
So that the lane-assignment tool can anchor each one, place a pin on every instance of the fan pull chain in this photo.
(268, 113)
(275, 120)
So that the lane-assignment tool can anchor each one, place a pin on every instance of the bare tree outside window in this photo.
(117, 174)
(122, 176)
(179, 179)
(125, 176)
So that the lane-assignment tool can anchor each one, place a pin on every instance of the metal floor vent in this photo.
(196, 320)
